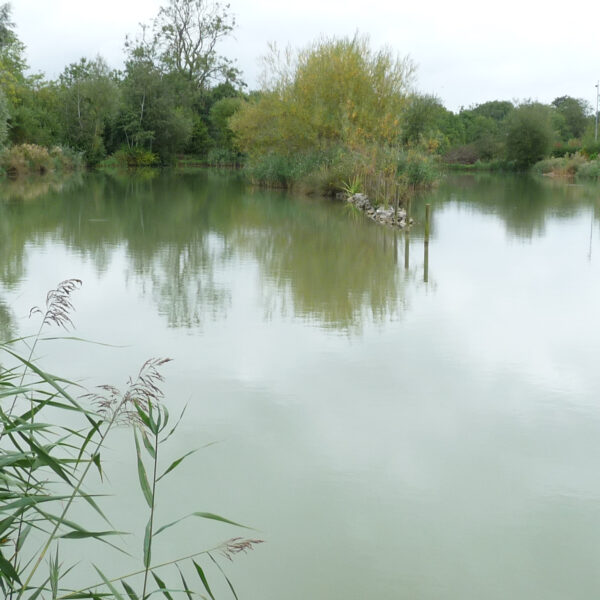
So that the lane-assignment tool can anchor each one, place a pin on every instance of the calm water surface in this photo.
(391, 431)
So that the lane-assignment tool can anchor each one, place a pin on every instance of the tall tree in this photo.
(90, 97)
(188, 33)
(574, 113)
(155, 112)
(339, 91)
(529, 134)
(3, 118)
(12, 56)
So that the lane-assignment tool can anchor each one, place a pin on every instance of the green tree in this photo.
(484, 127)
(333, 92)
(89, 97)
(3, 118)
(155, 112)
(497, 110)
(36, 119)
(529, 134)
(12, 57)
(220, 114)
(187, 33)
(575, 114)
(427, 121)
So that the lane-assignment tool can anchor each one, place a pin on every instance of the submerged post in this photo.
(406, 249)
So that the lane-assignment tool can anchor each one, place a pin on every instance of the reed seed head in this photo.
(58, 304)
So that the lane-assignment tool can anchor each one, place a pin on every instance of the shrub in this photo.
(589, 170)
(223, 157)
(25, 159)
(3, 118)
(418, 170)
(567, 166)
(131, 158)
(28, 159)
(466, 154)
(591, 149)
(529, 134)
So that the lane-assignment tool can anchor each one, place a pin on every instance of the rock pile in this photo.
(385, 216)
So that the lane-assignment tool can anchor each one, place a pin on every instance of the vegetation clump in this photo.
(27, 159)
(328, 114)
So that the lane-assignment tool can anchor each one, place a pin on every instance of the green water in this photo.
(391, 431)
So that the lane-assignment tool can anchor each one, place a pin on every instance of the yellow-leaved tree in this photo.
(334, 92)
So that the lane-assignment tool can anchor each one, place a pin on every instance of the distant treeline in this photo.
(332, 112)
(174, 95)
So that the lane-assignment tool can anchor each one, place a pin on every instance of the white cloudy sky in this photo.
(467, 51)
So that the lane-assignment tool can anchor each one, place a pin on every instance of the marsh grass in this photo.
(29, 159)
(45, 466)
(386, 174)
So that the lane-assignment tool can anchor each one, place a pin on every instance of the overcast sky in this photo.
(466, 51)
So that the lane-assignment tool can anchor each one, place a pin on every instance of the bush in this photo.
(3, 118)
(66, 159)
(589, 170)
(28, 159)
(529, 134)
(223, 157)
(567, 166)
(591, 150)
(418, 170)
(130, 158)
(25, 159)
(467, 154)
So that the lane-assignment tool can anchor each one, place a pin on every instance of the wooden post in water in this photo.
(426, 243)
(407, 233)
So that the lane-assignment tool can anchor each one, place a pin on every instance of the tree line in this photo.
(335, 107)
(173, 95)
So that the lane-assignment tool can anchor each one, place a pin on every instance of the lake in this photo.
(392, 429)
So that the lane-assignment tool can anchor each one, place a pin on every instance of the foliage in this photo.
(589, 170)
(335, 92)
(90, 96)
(187, 33)
(567, 166)
(426, 122)
(330, 114)
(3, 118)
(223, 157)
(529, 134)
(52, 442)
(574, 115)
(131, 158)
(352, 187)
(26, 159)
(37, 118)
(12, 57)
(591, 150)
(417, 169)
(560, 149)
